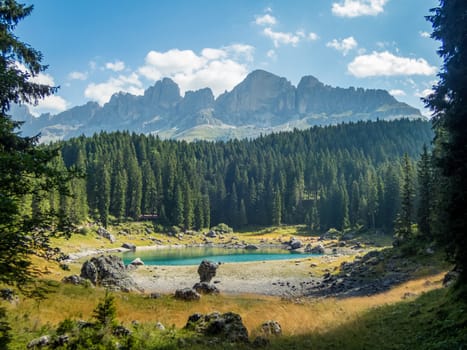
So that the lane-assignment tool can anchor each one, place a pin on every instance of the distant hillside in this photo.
(260, 104)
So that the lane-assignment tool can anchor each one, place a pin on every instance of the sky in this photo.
(97, 48)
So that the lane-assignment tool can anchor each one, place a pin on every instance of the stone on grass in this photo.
(271, 328)
(187, 294)
(110, 272)
(228, 327)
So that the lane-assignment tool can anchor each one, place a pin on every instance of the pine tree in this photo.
(425, 193)
(449, 105)
(25, 169)
(404, 219)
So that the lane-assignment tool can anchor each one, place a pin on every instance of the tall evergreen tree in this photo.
(449, 105)
(425, 193)
(405, 216)
(25, 169)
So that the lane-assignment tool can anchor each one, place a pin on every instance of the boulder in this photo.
(271, 328)
(39, 342)
(319, 249)
(160, 326)
(207, 270)
(295, 243)
(129, 246)
(211, 234)
(228, 326)
(73, 279)
(137, 262)
(251, 247)
(109, 272)
(106, 234)
(187, 294)
(205, 288)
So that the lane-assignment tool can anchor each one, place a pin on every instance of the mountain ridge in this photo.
(262, 103)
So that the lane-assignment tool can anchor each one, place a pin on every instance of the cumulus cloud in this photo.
(344, 46)
(52, 104)
(397, 92)
(102, 92)
(116, 66)
(313, 36)
(279, 38)
(356, 8)
(220, 69)
(77, 75)
(386, 64)
(265, 20)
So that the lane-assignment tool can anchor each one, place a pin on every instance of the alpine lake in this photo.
(194, 255)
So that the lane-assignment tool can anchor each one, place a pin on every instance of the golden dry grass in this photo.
(296, 318)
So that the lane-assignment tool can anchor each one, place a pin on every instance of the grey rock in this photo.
(39, 342)
(251, 247)
(211, 234)
(227, 326)
(109, 272)
(160, 326)
(137, 262)
(205, 288)
(73, 279)
(271, 328)
(295, 243)
(207, 270)
(187, 294)
(318, 249)
(129, 246)
(105, 234)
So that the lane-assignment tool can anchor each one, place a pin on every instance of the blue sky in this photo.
(97, 48)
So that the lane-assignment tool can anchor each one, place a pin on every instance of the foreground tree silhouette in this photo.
(449, 105)
(25, 169)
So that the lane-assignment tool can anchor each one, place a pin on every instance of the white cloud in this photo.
(265, 20)
(313, 36)
(281, 37)
(52, 104)
(102, 92)
(344, 46)
(397, 92)
(78, 75)
(423, 93)
(386, 64)
(271, 54)
(356, 8)
(220, 69)
(241, 51)
(424, 34)
(116, 66)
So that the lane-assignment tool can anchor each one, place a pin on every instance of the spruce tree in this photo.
(25, 169)
(449, 105)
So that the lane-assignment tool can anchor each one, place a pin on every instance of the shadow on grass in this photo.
(435, 320)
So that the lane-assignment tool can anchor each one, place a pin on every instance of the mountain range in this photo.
(262, 103)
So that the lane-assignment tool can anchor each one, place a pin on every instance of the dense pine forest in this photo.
(349, 175)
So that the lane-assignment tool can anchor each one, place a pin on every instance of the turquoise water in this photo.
(194, 255)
